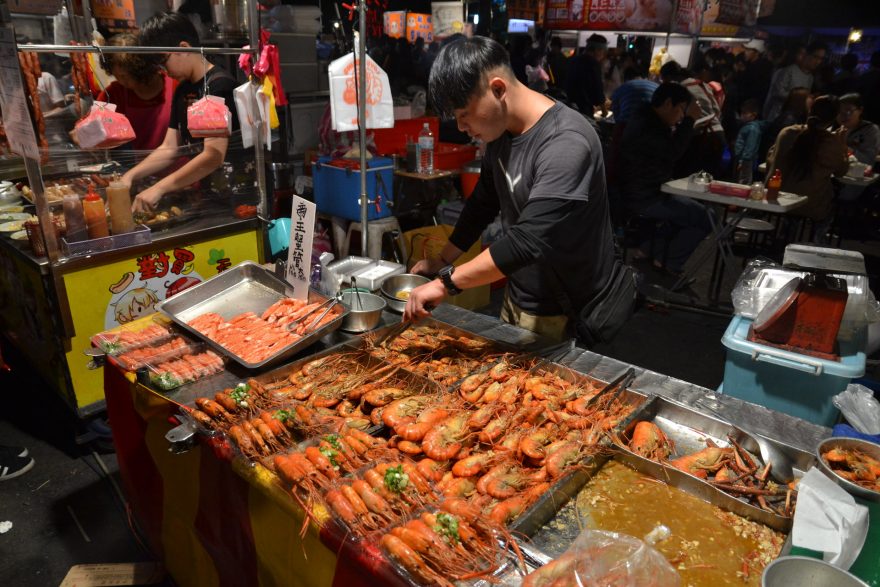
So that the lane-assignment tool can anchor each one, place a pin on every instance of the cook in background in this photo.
(190, 70)
(653, 141)
(797, 75)
(142, 92)
(543, 171)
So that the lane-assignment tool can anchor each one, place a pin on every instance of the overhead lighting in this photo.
(476, 19)
(855, 35)
(336, 24)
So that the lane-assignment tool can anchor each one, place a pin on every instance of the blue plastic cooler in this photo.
(785, 381)
(337, 190)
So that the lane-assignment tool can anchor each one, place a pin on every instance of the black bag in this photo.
(602, 317)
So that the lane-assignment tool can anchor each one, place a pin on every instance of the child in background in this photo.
(748, 141)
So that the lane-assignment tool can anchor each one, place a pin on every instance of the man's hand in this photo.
(423, 299)
(428, 267)
(147, 200)
(694, 110)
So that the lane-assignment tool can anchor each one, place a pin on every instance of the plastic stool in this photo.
(375, 230)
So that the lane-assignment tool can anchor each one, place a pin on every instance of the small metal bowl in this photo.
(807, 572)
(362, 316)
(869, 448)
(401, 284)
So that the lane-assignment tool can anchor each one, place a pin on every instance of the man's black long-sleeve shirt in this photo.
(549, 186)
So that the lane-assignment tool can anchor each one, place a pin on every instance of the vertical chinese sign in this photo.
(299, 255)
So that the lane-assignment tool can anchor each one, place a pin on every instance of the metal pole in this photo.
(362, 117)
(259, 147)
(133, 49)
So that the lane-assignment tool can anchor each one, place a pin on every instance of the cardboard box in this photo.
(427, 242)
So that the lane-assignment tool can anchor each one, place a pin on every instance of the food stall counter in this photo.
(216, 519)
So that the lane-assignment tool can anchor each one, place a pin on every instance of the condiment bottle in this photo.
(74, 219)
(773, 186)
(96, 216)
(119, 201)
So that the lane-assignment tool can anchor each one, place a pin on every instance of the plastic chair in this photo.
(375, 230)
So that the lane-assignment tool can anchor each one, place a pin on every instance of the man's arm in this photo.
(479, 211)
(156, 161)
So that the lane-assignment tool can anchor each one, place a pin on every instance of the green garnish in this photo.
(333, 440)
(395, 479)
(284, 415)
(331, 456)
(166, 381)
(110, 347)
(240, 394)
(447, 526)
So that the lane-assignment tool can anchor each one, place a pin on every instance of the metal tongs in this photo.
(619, 383)
(329, 303)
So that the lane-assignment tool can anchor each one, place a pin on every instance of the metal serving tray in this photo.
(568, 486)
(688, 429)
(247, 287)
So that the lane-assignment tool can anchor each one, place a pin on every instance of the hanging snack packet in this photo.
(209, 117)
(103, 128)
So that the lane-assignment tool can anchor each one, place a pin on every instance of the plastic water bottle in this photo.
(425, 151)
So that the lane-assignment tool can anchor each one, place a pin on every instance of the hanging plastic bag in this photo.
(246, 105)
(609, 559)
(344, 98)
(103, 128)
(208, 118)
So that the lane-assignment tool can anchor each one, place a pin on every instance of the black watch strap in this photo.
(445, 275)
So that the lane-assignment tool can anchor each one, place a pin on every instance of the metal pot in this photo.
(396, 285)
(365, 311)
(806, 572)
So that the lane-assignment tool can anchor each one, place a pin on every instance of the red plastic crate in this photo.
(392, 141)
(450, 156)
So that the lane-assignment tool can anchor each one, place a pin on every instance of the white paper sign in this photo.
(299, 256)
(16, 116)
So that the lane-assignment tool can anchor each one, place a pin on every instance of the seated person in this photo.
(649, 149)
(808, 155)
(192, 70)
(142, 92)
(863, 136)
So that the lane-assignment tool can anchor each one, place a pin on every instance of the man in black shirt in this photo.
(653, 141)
(585, 85)
(543, 171)
(190, 69)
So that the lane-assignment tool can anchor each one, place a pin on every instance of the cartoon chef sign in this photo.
(159, 276)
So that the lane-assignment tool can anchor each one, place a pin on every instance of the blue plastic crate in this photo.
(337, 190)
(796, 384)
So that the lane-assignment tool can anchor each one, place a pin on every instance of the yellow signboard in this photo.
(105, 297)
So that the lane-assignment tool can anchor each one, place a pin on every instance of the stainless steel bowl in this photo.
(803, 571)
(399, 284)
(869, 448)
(363, 315)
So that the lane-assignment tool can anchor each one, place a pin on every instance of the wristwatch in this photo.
(445, 275)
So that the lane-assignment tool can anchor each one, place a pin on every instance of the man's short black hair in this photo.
(168, 29)
(670, 91)
(672, 71)
(853, 99)
(459, 72)
(750, 105)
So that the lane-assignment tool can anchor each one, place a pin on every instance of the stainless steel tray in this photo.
(247, 287)
(568, 486)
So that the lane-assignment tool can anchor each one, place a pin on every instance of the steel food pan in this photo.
(566, 487)
(247, 287)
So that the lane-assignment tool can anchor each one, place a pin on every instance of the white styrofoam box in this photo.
(295, 47)
(299, 77)
(303, 120)
(403, 112)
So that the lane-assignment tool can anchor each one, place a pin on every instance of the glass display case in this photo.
(62, 285)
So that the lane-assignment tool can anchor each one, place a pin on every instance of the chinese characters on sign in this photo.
(299, 256)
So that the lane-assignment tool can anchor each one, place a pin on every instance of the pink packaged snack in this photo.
(103, 128)
(209, 117)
